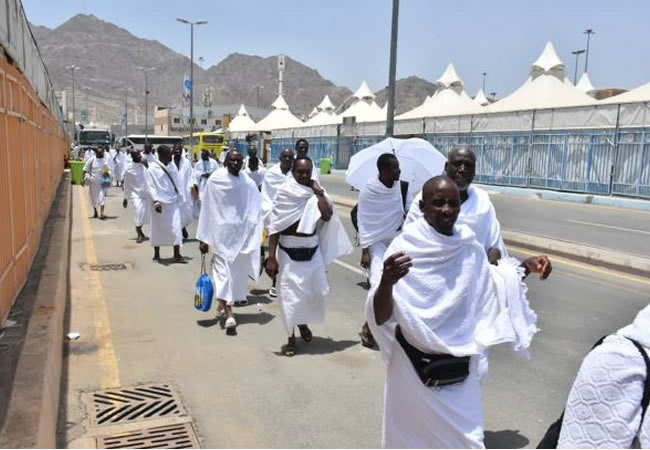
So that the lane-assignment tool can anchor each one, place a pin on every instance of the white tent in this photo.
(640, 94)
(326, 104)
(545, 88)
(313, 112)
(480, 98)
(585, 84)
(450, 99)
(364, 108)
(364, 92)
(279, 117)
(242, 122)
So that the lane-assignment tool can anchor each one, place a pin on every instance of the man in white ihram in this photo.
(230, 224)
(380, 217)
(438, 306)
(96, 168)
(162, 183)
(305, 235)
(135, 189)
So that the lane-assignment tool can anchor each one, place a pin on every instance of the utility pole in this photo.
(484, 77)
(74, 113)
(390, 110)
(588, 32)
(258, 87)
(146, 104)
(575, 74)
(191, 24)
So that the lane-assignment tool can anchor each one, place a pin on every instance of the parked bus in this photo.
(138, 140)
(213, 142)
(94, 137)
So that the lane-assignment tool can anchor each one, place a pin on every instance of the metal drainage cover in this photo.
(107, 267)
(169, 436)
(127, 405)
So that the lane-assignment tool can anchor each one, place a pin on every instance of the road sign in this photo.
(84, 116)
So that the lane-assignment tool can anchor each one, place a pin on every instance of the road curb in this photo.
(33, 407)
(577, 252)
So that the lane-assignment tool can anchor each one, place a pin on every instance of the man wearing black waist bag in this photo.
(305, 234)
(439, 305)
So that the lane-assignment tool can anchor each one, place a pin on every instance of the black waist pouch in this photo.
(435, 369)
(300, 254)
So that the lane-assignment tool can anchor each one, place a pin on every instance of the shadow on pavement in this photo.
(207, 323)
(505, 439)
(320, 346)
(260, 318)
(172, 261)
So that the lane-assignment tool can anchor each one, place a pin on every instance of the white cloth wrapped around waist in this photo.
(290, 241)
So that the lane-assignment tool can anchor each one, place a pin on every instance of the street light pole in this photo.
(191, 24)
(390, 110)
(258, 87)
(146, 104)
(575, 74)
(588, 32)
(484, 76)
(74, 114)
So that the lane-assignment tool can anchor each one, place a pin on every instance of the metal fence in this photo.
(596, 161)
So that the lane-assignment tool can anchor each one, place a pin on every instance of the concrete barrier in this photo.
(33, 407)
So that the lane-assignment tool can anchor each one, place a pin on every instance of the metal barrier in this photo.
(632, 164)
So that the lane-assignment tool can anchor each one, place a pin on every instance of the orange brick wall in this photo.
(32, 147)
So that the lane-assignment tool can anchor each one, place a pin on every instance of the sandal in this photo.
(367, 340)
(305, 333)
(230, 323)
(289, 350)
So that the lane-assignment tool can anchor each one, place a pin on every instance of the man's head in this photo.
(148, 148)
(461, 166)
(302, 147)
(388, 167)
(99, 152)
(164, 154)
(234, 162)
(178, 153)
(205, 155)
(302, 167)
(286, 160)
(440, 203)
(252, 152)
(135, 156)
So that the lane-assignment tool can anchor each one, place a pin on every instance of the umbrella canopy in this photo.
(418, 160)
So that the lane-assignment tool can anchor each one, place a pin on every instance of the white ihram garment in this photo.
(302, 285)
(149, 157)
(185, 182)
(256, 175)
(604, 405)
(119, 162)
(477, 212)
(380, 217)
(94, 168)
(166, 226)
(200, 168)
(135, 190)
(230, 224)
(452, 301)
(273, 179)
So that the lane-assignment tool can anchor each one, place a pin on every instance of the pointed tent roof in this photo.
(449, 100)
(280, 117)
(480, 98)
(313, 112)
(640, 94)
(326, 104)
(324, 118)
(546, 87)
(364, 92)
(242, 122)
(585, 83)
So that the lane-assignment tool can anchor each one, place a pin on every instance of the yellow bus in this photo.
(213, 142)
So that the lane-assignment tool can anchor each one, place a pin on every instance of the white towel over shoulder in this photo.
(380, 213)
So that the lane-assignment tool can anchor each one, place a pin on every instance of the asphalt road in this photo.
(139, 326)
(624, 230)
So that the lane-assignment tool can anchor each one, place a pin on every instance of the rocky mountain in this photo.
(108, 58)
(409, 93)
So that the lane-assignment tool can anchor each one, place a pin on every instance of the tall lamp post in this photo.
(258, 87)
(484, 77)
(588, 32)
(191, 24)
(390, 110)
(126, 111)
(146, 105)
(575, 74)
(72, 68)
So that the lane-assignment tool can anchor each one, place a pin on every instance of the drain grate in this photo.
(107, 267)
(169, 436)
(126, 405)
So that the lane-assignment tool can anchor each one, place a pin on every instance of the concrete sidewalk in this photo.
(583, 253)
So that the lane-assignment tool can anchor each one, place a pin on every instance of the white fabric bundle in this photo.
(381, 212)
(229, 221)
(477, 212)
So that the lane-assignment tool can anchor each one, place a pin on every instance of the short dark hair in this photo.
(164, 148)
(384, 161)
(301, 158)
(302, 140)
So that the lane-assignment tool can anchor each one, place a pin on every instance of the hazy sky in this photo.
(347, 41)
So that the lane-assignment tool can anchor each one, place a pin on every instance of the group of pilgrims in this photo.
(442, 287)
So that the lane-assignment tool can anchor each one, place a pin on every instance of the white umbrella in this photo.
(418, 161)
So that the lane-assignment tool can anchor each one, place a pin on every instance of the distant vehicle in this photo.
(138, 140)
(213, 142)
(94, 137)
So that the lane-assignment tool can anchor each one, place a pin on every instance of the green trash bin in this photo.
(76, 169)
(325, 164)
